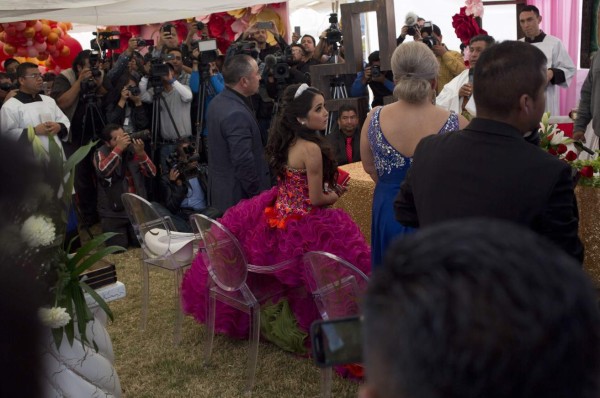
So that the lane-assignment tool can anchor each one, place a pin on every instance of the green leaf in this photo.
(98, 299)
(94, 258)
(58, 336)
(78, 156)
(55, 163)
(68, 304)
(82, 312)
(88, 247)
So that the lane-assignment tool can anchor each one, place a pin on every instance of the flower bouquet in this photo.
(554, 141)
(32, 235)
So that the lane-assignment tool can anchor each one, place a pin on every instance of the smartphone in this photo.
(167, 28)
(297, 30)
(264, 25)
(207, 45)
(337, 341)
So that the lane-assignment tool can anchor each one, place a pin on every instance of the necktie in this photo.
(349, 149)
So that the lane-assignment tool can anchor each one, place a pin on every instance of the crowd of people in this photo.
(240, 139)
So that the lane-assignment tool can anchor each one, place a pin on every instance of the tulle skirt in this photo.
(324, 229)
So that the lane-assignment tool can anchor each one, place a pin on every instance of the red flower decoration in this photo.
(216, 26)
(561, 148)
(570, 156)
(587, 171)
(223, 44)
(466, 27)
(552, 151)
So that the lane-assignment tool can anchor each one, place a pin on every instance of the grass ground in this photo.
(150, 366)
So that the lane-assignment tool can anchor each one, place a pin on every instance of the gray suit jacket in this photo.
(237, 168)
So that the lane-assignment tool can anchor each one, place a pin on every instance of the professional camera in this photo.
(140, 135)
(105, 41)
(333, 34)
(7, 86)
(243, 47)
(134, 90)
(94, 60)
(430, 40)
(375, 71)
(186, 165)
(208, 50)
(141, 42)
(411, 21)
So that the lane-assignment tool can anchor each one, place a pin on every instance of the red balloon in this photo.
(66, 60)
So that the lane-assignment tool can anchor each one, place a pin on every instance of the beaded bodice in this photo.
(386, 157)
(292, 200)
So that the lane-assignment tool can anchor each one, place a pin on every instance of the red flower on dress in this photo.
(570, 156)
(466, 27)
(587, 171)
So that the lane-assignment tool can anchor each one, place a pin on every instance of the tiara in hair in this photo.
(300, 90)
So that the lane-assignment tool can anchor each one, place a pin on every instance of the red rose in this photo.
(571, 156)
(561, 148)
(552, 151)
(216, 26)
(466, 27)
(587, 171)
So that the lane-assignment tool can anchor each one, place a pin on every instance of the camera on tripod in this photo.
(89, 86)
(243, 47)
(208, 50)
(333, 34)
(105, 41)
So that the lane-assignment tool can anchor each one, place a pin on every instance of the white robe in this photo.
(558, 58)
(449, 99)
(16, 116)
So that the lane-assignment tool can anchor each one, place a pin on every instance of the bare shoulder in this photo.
(302, 152)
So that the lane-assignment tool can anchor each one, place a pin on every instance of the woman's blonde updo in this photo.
(414, 66)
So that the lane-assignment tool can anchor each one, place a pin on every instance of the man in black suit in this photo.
(237, 168)
(489, 169)
(345, 141)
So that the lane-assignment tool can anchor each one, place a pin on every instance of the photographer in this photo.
(382, 84)
(167, 39)
(184, 188)
(124, 61)
(301, 60)
(451, 62)
(128, 110)
(178, 99)
(259, 33)
(121, 165)
(412, 27)
(77, 90)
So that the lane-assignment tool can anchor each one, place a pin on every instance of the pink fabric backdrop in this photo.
(560, 18)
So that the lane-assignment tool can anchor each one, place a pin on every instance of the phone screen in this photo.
(264, 25)
(297, 30)
(337, 341)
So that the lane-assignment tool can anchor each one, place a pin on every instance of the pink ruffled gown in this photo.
(273, 227)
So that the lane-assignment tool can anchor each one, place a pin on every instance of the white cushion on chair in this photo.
(181, 244)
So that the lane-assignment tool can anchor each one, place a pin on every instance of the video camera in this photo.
(243, 47)
(208, 50)
(105, 41)
(333, 34)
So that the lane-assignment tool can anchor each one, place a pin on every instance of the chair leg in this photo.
(210, 327)
(253, 348)
(144, 271)
(326, 375)
(178, 311)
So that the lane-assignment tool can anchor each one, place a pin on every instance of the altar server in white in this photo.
(29, 108)
(560, 66)
(457, 94)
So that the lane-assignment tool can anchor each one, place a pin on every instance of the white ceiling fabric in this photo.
(115, 12)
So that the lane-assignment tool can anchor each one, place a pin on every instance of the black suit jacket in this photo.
(237, 168)
(489, 170)
(337, 141)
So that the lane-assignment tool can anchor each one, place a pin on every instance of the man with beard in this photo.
(489, 169)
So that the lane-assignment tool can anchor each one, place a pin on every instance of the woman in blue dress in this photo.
(391, 133)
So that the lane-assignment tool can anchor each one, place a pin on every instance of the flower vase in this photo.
(78, 370)
(588, 202)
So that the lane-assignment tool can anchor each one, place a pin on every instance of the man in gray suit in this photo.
(237, 168)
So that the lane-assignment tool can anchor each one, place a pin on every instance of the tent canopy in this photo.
(115, 12)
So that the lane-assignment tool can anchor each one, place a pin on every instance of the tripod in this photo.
(158, 101)
(337, 90)
(204, 89)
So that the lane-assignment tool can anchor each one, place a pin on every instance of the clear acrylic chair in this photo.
(228, 268)
(337, 288)
(162, 247)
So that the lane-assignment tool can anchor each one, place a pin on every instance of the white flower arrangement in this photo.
(38, 231)
(55, 317)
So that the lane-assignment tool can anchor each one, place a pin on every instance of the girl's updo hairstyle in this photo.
(414, 66)
(286, 129)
